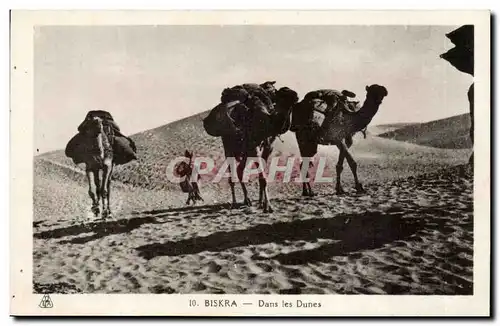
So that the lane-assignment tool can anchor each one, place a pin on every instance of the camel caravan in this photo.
(249, 118)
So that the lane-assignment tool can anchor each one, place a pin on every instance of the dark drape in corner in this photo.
(462, 57)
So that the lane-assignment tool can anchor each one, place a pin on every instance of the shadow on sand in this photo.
(104, 228)
(354, 232)
(198, 209)
(99, 228)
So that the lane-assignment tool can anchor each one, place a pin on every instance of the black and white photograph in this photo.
(280, 159)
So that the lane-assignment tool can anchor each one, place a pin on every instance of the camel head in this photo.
(376, 93)
(93, 126)
(286, 98)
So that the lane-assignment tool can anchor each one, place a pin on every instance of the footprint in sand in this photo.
(133, 280)
(213, 267)
(292, 273)
(265, 267)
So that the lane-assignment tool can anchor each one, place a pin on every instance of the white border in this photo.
(25, 302)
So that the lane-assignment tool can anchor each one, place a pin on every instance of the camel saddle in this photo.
(326, 102)
(124, 148)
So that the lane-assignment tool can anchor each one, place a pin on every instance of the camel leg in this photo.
(265, 204)
(98, 185)
(262, 193)
(93, 180)
(339, 168)
(233, 193)
(308, 148)
(246, 200)
(306, 186)
(264, 201)
(228, 152)
(106, 181)
(108, 188)
(353, 165)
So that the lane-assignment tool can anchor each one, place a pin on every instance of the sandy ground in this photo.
(411, 233)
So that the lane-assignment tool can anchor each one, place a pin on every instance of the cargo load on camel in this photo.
(124, 148)
(320, 108)
(243, 108)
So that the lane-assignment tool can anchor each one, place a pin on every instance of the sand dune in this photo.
(410, 234)
(450, 133)
(388, 127)
(386, 158)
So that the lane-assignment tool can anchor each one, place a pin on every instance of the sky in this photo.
(148, 76)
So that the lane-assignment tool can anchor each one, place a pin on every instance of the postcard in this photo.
(250, 163)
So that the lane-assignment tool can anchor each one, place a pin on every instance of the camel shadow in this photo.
(361, 233)
(198, 209)
(354, 232)
(100, 229)
(104, 228)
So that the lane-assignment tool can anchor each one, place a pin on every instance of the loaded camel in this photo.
(100, 146)
(339, 125)
(249, 119)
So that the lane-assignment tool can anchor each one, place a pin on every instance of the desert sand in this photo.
(411, 233)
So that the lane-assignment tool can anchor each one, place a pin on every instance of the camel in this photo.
(99, 163)
(339, 125)
(100, 146)
(256, 127)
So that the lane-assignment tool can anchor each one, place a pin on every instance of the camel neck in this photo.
(104, 143)
(366, 114)
(282, 120)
